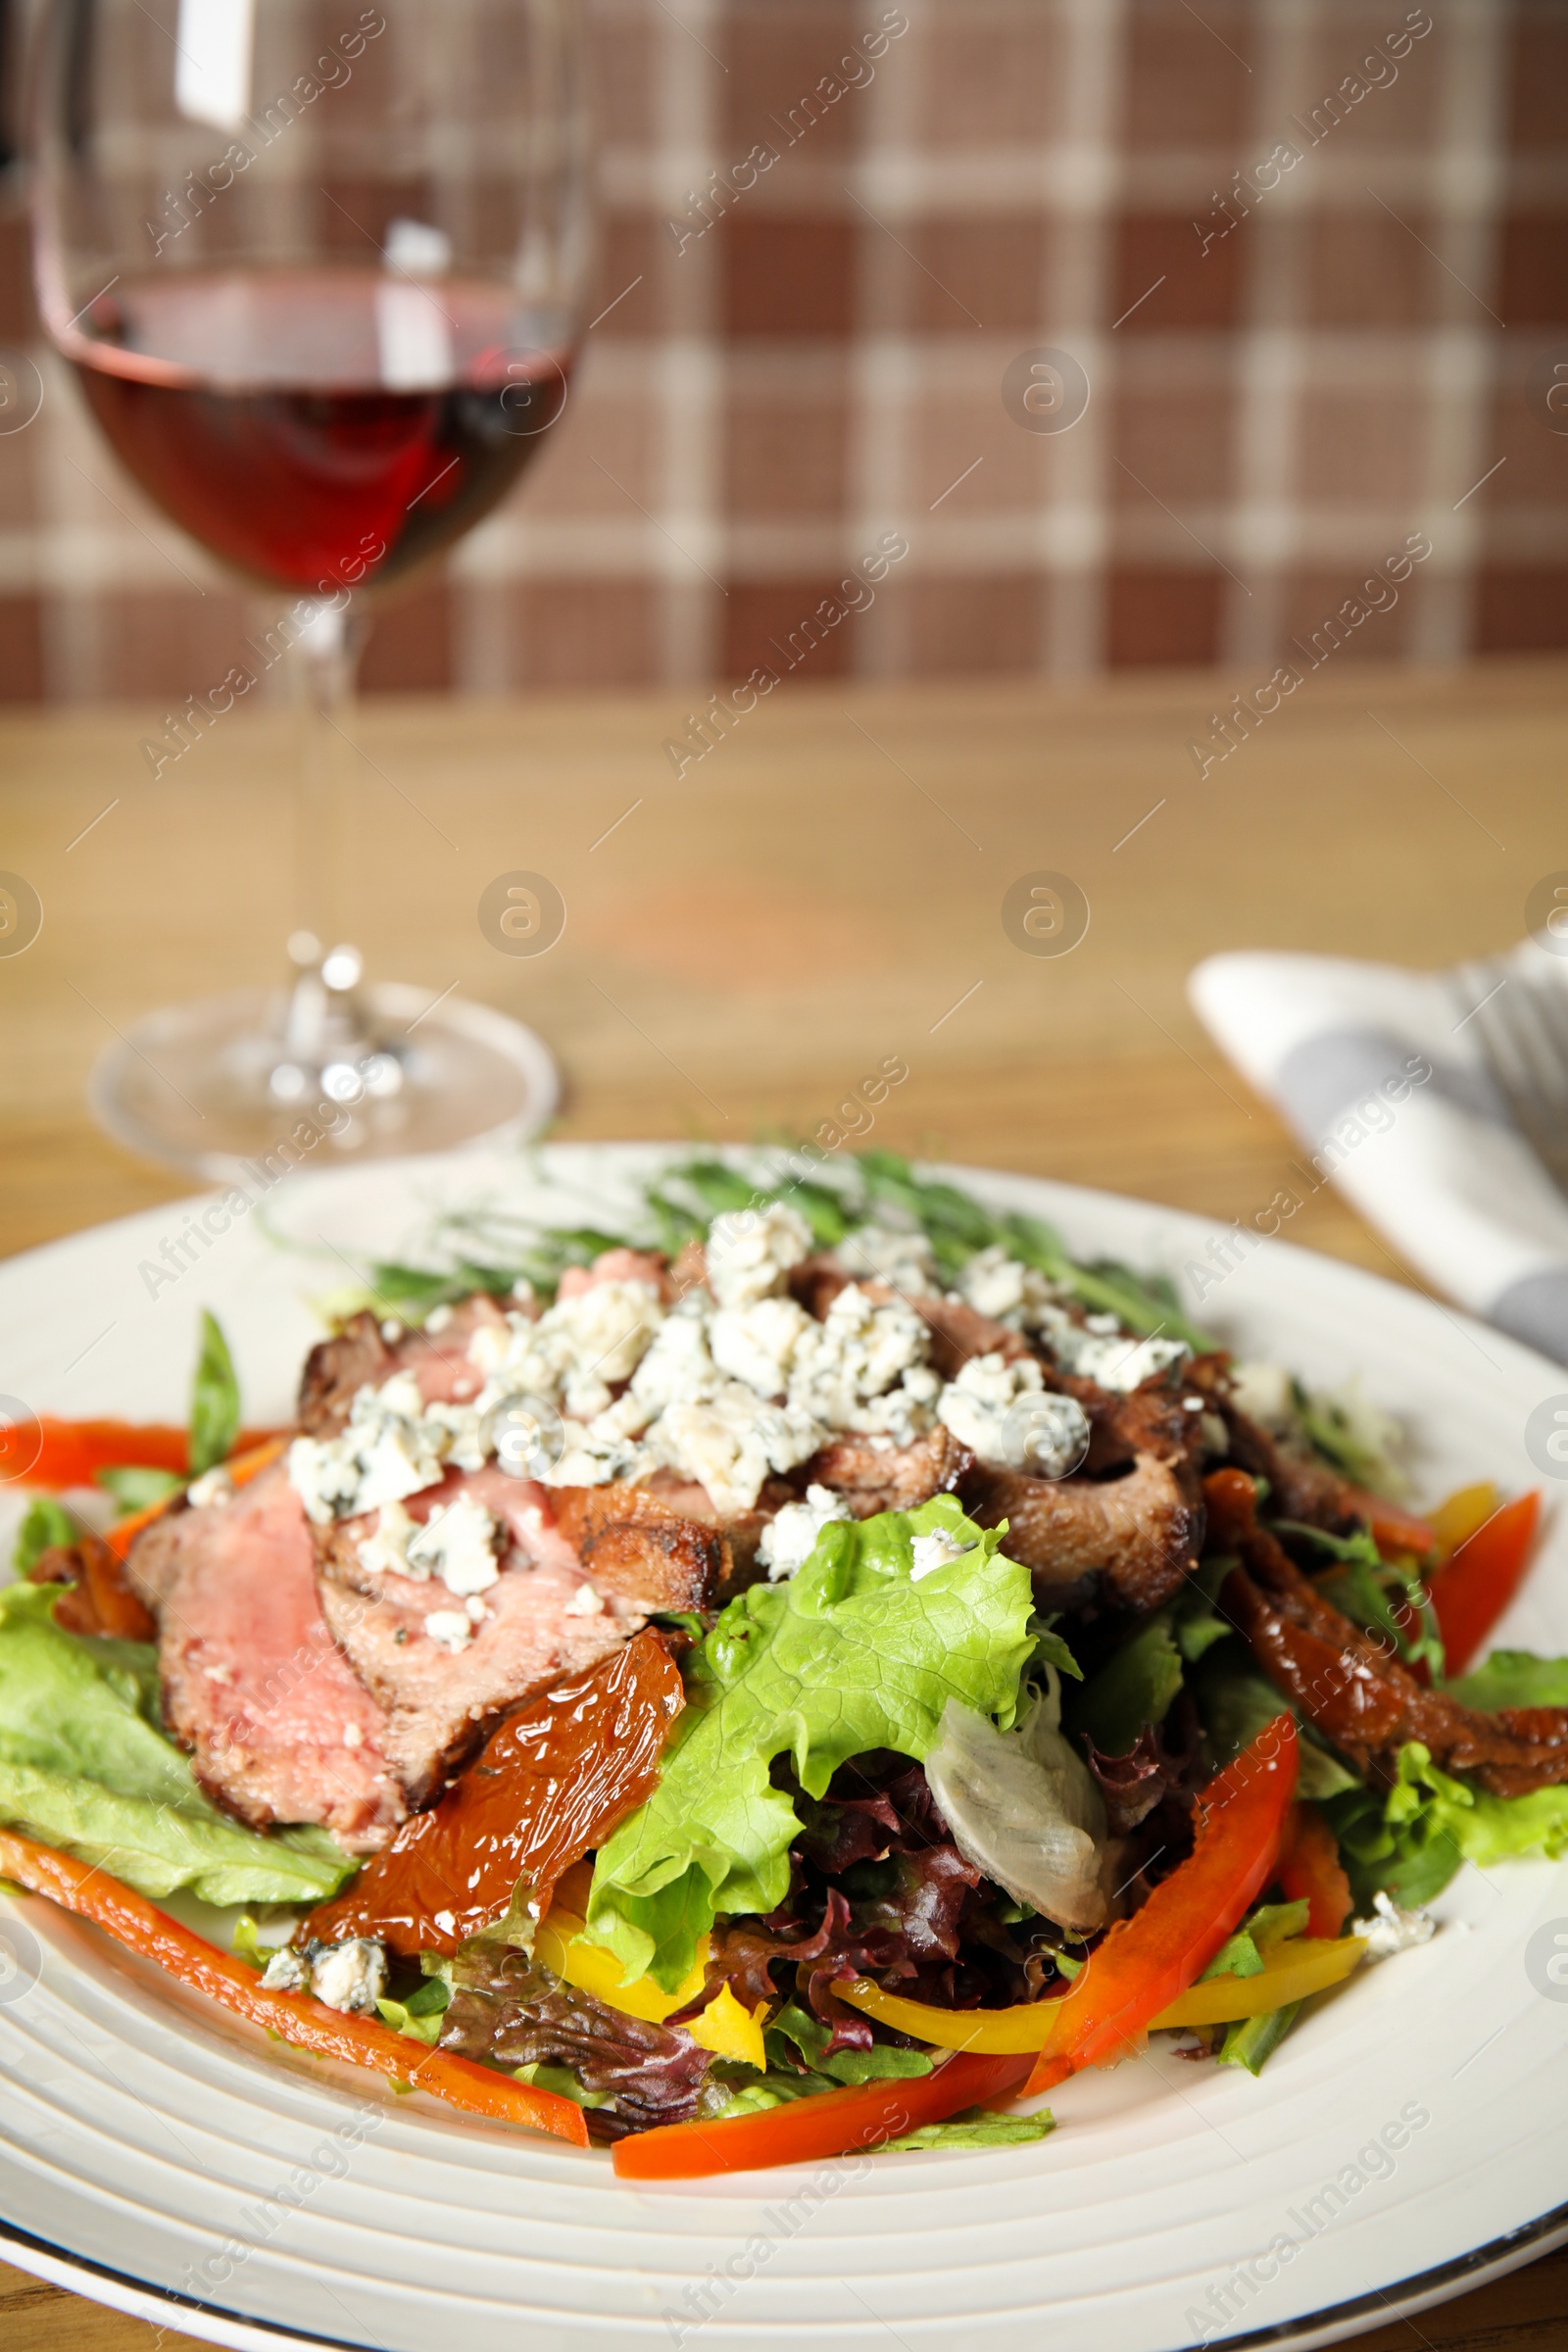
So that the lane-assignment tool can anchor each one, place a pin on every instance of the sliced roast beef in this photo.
(1126, 1541)
(873, 1475)
(1302, 1487)
(634, 1545)
(279, 1727)
(1353, 1689)
(442, 1673)
(361, 1356)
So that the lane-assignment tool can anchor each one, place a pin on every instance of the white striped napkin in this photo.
(1381, 1074)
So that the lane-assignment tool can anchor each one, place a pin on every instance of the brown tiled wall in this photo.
(1359, 353)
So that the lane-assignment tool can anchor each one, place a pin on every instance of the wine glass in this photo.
(319, 270)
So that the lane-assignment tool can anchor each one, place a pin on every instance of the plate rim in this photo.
(1515, 2250)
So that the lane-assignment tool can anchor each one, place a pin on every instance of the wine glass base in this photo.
(212, 1086)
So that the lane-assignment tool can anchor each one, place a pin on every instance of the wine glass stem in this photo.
(326, 657)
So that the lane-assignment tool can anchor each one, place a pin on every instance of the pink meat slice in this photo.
(438, 1701)
(360, 1356)
(279, 1727)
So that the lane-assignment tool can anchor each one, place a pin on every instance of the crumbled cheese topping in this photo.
(883, 1254)
(731, 1441)
(933, 1551)
(789, 1537)
(1393, 1928)
(1003, 1287)
(1096, 1350)
(387, 1451)
(732, 1383)
(751, 1251)
(453, 1629)
(213, 1487)
(1004, 1413)
(1099, 1349)
(584, 1602)
(456, 1543)
(350, 1977)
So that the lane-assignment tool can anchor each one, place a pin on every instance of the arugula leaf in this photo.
(1052, 1650)
(1513, 1678)
(1135, 1686)
(1411, 1840)
(135, 1488)
(1365, 1586)
(213, 1400)
(83, 1767)
(1235, 1701)
(47, 1523)
(850, 1654)
(977, 2127)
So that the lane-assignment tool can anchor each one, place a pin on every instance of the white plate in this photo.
(162, 2157)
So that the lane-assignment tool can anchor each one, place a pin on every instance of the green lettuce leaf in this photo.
(851, 1653)
(83, 1767)
(1513, 1678)
(44, 1523)
(1413, 1839)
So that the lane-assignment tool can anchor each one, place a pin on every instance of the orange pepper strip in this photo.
(296, 2018)
(1310, 1871)
(833, 2123)
(1147, 1960)
(1471, 1591)
(241, 1468)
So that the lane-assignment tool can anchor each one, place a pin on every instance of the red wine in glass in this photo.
(319, 428)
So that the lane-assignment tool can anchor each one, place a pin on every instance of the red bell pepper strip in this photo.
(1147, 1960)
(296, 2018)
(834, 2124)
(1310, 1871)
(1471, 1591)
(46, 1453)
(1392, 1529)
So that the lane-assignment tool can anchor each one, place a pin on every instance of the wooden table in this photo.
(748, 939)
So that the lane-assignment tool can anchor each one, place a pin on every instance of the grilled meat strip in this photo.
(279, 1726)
(1124, 1541)
(360, 1356)
(1351, 1690)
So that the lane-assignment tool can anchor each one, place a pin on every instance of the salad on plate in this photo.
(807, 1671)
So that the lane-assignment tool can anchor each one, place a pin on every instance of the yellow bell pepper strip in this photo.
(1291, 1972)
(561, 1944)
(832, 2124)
(1145, 1962)
(296, 2018)
(1459, 1514)
(724, 2027)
